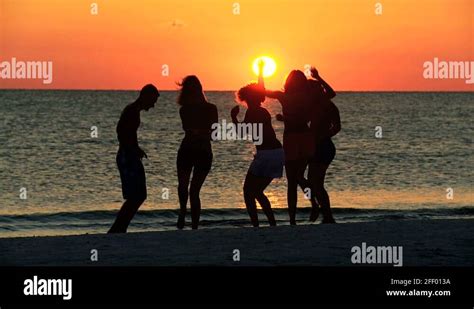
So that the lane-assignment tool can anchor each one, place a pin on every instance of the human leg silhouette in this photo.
(184, 174)
(125, 215)
(317, 177)
(254, 188)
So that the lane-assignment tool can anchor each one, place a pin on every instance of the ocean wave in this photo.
(228, 215)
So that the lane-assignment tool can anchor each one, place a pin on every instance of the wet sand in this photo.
(424, 242)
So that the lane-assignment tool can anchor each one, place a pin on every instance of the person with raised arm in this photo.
(269, 158)
(298, 142)
(325, 123)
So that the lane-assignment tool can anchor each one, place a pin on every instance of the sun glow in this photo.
(269, 67)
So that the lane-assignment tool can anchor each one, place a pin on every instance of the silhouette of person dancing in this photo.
(325, 123)
(269, 158)
(195, 153)
(298, 142)
(129, 158)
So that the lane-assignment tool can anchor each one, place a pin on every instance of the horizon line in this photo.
(220, 90)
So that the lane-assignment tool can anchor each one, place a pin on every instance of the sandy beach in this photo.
(425, 243)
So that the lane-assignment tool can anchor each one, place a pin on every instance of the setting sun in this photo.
(268, 69)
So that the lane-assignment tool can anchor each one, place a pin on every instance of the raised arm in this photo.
(329, 91)
(274, 94)
(261, 82)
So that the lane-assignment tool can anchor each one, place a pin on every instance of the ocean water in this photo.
(73, 186)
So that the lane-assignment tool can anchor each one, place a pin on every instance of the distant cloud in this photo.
(178, 23)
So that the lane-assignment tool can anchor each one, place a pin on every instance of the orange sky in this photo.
(126, 44)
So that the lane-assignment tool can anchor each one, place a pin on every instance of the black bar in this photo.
(238, 285)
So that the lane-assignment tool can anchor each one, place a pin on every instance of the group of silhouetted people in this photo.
(310, 119)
